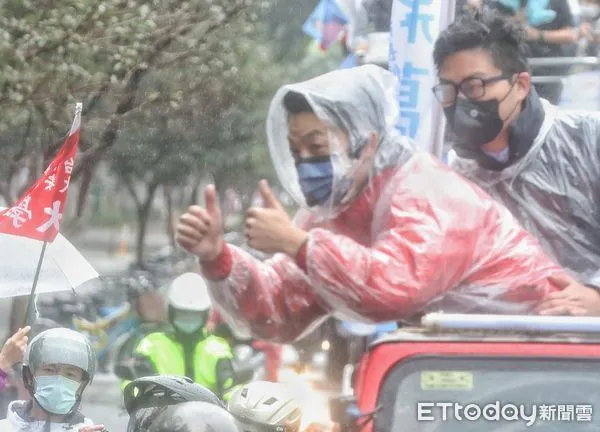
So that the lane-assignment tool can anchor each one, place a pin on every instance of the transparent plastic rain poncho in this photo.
(19, 419)
(417, 238)
(554, 189)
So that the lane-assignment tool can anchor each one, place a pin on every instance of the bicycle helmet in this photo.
(148, 397)
(262, 406)
(59, 346)
(194, 417)
(162, 390)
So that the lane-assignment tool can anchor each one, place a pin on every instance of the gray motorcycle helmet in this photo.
(59, 346)
(194, 417)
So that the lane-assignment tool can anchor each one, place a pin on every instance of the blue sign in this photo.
(414, 27)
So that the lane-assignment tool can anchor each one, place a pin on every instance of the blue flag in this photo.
(325, 23)
(349, 62)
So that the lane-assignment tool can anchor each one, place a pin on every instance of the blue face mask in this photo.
(316, 179)
(56, 394)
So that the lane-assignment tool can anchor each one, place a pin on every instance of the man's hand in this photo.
(269, 229)
(573, 299)
(533, 34)
(14, 349)
(361, 49)
(585, 31)
(200, 230)
(95, 428)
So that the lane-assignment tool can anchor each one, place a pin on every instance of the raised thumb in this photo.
(269, 199)
(210, 200)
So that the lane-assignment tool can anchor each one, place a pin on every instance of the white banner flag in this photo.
(414, 28)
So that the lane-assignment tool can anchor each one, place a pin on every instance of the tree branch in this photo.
(132, 192)
(4, 192)
(127, 101)
(95, 98)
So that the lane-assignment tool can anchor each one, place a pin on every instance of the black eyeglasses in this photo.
(472, 88)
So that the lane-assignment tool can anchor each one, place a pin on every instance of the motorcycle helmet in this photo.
(189, 303)
(153, 391)
(59, 346)
(194, 417)
(263, 406)
(147, 397)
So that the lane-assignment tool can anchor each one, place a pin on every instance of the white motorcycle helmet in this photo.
(263, 406)
(189, 303)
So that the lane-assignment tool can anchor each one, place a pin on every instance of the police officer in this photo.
(187, 350)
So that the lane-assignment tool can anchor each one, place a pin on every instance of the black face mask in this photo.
(474, 123)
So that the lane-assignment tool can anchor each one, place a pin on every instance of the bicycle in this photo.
(115, 335)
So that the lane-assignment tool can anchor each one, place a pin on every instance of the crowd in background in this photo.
(555, 28)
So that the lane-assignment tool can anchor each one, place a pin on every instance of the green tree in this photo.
(99, 52)
(53, 54)
(203, 121)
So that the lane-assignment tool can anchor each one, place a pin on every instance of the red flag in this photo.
(37, 214)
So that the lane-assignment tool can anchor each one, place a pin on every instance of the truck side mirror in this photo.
(338, 408)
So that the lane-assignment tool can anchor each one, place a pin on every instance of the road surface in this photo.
(103, 403)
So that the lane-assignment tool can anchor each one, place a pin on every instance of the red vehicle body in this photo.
(561, 372)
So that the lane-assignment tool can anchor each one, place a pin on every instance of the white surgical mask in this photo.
(187, 326)
(55, 393)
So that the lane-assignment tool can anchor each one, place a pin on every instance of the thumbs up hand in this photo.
(200, 230)
(269, 229)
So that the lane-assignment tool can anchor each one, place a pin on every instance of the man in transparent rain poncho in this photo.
(541, 162)
(383, 234)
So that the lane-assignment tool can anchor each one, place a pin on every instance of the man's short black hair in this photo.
(296, 103)
(489, 30)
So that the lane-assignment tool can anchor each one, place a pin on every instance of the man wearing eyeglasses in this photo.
(542, 163)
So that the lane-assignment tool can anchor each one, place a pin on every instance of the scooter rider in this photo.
(57, 367)
(187, 350)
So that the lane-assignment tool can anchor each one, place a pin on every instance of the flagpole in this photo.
(31, 300)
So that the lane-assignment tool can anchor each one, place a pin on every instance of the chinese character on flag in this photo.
(37, 214)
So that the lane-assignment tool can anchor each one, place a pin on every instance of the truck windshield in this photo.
(473, 394)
